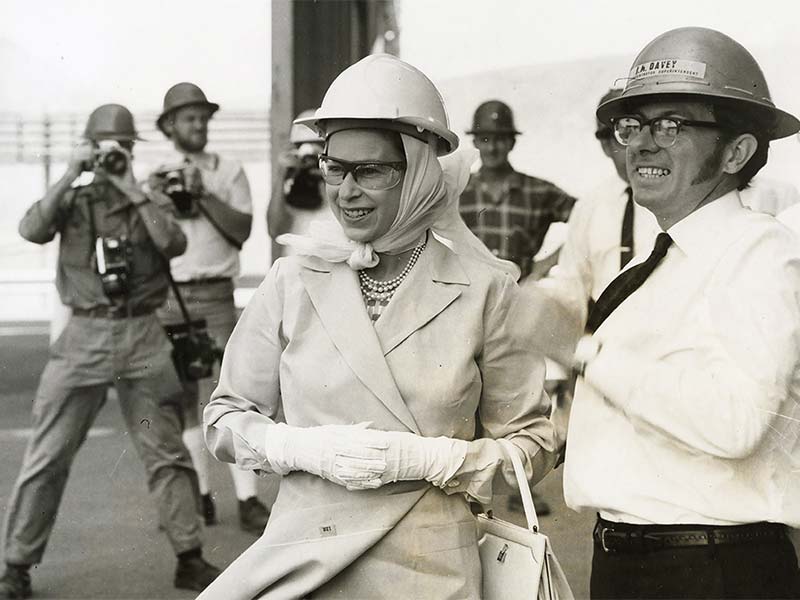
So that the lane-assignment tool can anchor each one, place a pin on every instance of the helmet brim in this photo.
(213, 106)
(510, 131)
(116, 136)
(448, 140)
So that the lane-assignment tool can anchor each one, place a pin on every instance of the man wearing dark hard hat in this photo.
(213, 207)
(508, 210)
(684, 433)
(114, 239)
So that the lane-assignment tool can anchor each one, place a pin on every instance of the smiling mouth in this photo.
(652, 172)
(356, 213)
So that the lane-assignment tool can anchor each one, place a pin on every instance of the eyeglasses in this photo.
(664, 130)
(370, 175)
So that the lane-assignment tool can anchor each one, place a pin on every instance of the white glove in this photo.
(333, 452)
(411, 457)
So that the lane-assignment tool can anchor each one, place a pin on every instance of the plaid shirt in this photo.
(511, 216)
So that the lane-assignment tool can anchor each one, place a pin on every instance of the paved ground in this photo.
(106, 542)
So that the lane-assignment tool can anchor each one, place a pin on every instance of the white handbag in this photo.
(518, 563)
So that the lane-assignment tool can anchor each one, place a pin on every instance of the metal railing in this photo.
(243, 135)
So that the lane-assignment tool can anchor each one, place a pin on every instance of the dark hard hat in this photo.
(493, 116)
(111, 122)
(700, 64)
(180, 95)
(602, 129)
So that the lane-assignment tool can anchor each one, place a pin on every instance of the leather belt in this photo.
(206, 281)
(626, 538)
(112, 312)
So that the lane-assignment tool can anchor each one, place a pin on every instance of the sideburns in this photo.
(711, 166)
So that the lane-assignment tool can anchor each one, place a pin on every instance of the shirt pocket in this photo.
(77, 244)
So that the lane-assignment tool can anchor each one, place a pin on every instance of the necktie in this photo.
(626, 283)
(626, 236)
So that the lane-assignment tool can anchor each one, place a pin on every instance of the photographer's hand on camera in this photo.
(125, 182)
(165, 233)
(80, 160)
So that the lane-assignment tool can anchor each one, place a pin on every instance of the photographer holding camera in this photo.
(211, 200)
(113, 238)
(298, 193)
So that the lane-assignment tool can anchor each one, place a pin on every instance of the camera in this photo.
(302, 185)
(176, 187)
(113, 264)
(194, 352)
(110, 157)
(308, 155)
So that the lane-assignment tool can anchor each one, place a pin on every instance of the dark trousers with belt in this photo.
(693, 561)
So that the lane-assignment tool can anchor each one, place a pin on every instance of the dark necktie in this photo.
(626, 283)
(626, 235)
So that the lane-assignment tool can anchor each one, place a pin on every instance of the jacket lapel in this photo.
(432, 285)
(334, 292)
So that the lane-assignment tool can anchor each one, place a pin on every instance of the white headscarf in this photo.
(428, 200)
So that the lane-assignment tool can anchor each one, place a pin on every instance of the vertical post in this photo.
(46, 149)
(281, 110)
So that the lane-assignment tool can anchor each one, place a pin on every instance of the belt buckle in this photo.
(117, 311)
(605, 548)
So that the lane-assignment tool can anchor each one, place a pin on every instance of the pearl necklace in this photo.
(383, 290)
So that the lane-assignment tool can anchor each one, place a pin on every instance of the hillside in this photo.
(554, 107)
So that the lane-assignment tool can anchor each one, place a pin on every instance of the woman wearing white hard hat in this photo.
(360, 367)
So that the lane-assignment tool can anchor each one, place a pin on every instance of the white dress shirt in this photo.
(590, 256)
(689, 413)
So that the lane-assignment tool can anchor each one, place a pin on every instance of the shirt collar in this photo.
(511, 179)
(709, 226)
(204, 160)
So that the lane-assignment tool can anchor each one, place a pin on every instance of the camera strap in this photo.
(177, 292)
(92, 228)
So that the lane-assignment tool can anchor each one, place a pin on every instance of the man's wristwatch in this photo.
(587, 349)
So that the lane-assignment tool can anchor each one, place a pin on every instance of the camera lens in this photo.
(115, 162)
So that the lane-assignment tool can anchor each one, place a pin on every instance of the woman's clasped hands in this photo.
(359, 458)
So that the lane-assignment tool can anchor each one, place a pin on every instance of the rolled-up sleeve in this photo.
(35, 228)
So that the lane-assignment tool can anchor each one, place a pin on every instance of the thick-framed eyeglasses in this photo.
(664, 130)
(371, 175)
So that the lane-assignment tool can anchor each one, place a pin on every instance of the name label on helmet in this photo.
(669, 66)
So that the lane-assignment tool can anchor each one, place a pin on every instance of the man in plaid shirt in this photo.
(508, 210)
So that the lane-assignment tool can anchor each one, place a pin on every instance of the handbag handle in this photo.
(522, 482)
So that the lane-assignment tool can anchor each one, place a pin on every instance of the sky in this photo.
(76, 54)
(454, 37)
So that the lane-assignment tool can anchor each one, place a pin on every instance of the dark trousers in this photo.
(766, 569)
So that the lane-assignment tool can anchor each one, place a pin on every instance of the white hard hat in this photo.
(301, 134)
(383, 91)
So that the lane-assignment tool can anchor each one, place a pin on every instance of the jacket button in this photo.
(453, 483)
